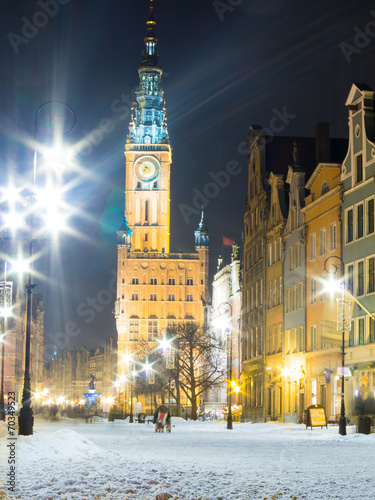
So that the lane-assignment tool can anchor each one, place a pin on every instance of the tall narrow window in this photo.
(361, 331)
(370, 216)
(297, 255)
(360, 288)
(313, 246)
(359, 169)
(370, 278)
(350, 279)
(322, 245)
(146, 211)
(313, 338)
(349, 226)
(301, 338)
(333, 237)
(291, 258)
(360, 221)
(313, 291)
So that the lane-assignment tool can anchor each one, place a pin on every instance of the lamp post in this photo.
(228, 332)
(26, 419)
(343, 324)
(6, 288)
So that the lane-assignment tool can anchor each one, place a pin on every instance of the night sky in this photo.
(227, 64)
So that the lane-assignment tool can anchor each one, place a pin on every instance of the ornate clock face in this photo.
(147, 168)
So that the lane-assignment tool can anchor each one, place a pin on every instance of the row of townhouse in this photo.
(307, 221)
(68, 373)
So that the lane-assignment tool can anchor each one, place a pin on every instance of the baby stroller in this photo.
(162, 418)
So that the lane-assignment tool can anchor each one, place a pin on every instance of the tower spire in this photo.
(150, 54)
(148, 122)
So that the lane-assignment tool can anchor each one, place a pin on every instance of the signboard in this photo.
(344, 371)
(316, 416)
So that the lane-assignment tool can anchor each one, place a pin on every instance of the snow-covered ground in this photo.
(71, 459)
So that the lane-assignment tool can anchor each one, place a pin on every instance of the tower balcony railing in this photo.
(147, 147)
(162, 255)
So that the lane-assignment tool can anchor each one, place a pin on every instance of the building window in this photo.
(361, 331)
(350, 279)
(360, 221)
(294, 340)
(287, 341)
(301, 298)
(171, 281)
(349, 226)
(287, 300)
(370, 216)
(351, 334)
(135, 281)
(360, 287)
(370, 276)
(313, 291)
(153, 297)
(322, 243)
(291, 258)
(313, 246)
(152, 330)
(294, 298)
(133, 329)
(325, 188)
(333, 237)
(313, 338)
(154, 281)
(189, 298)
(171, 297)
(301, 339)
(297, 255)
(359, 169)
(189, 281)
(323, 287)
(134, 296)
(146, 211)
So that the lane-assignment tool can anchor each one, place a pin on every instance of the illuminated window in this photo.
(152, 330)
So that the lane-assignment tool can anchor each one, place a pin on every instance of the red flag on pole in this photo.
(227, 242)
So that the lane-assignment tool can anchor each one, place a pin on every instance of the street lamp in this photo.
(343, 324)
(26, 419)
(228, 332)
(6, 288)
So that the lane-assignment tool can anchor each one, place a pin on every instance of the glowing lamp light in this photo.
(165, 344)
(13, 220)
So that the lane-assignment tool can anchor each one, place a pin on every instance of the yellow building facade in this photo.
(323, 244)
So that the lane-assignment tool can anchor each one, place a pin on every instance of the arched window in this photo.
(325, 188)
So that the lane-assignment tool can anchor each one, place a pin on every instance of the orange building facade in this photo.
(156, 289)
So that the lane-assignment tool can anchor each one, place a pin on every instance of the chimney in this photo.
(322, 149)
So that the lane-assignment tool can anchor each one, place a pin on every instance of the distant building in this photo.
(14, 358)
(225, 323)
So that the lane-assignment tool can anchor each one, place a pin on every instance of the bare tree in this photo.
(199, 362)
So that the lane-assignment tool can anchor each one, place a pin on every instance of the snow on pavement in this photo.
(71, 459)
